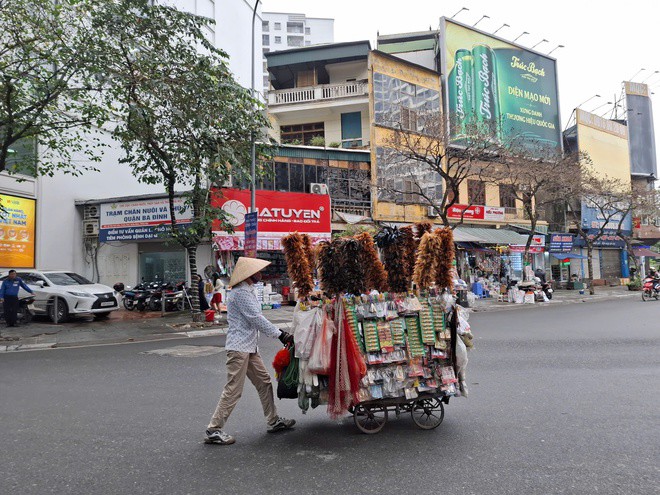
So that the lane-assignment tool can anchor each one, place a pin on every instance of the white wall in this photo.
(321, 30)
(339, 73)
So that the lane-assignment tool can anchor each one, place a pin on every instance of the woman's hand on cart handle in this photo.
(286, 339)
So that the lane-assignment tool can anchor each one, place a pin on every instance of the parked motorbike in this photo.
(136, 297)
(547, 288)
(177, 297)
(650, 289)
(25, 310)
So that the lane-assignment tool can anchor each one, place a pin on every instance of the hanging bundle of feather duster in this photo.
(428, 255)
(297, 262)
(389, 240)
(353, 270)
(409, 251)
(422, 228)
(309, 252)
(443, 275)
(376, 276)
(329, 267)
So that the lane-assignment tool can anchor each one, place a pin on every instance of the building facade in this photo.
(283, 31)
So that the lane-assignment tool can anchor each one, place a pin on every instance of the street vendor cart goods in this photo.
(379, 337)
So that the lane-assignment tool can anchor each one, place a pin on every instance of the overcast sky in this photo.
(606, 41)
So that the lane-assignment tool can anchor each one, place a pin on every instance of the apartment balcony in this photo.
(351, 207)
(315, 94)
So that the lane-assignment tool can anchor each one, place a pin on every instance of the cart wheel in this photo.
(370, 419)
(427, 413)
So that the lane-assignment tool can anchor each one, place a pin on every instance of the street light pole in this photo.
(253, 151)
(521, 35)
(502, 26)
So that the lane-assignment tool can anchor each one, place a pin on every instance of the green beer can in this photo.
(461, 94)
(486, 94)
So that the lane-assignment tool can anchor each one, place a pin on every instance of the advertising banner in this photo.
(593, 220)
(251, 220)
(561, 243)
(17, 230)
(643, 160)
(500, 89)
(279, 214)
(140, 220)
(476, 212)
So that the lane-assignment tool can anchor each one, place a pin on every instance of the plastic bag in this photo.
(305, 326)
(320, 356)
(461, 357)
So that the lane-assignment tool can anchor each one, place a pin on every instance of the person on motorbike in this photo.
(655, 276)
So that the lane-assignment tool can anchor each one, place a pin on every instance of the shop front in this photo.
(278, 214)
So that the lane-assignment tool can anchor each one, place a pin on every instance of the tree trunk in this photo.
(590, 267)
(194, 292)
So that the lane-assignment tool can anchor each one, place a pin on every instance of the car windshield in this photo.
(67, 278)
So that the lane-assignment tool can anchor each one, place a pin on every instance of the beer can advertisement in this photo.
(17, 228)
(499, 91)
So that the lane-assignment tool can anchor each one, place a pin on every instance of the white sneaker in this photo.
(218, 437)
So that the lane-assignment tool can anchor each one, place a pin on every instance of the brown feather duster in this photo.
(443, 275)
(428, 254)
(422, 228)
(409, 245)
(297, 263)
(309, 252)
(353, 270)
(376, 276)
(329, 267)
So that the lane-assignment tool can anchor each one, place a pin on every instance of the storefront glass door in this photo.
(163, 266)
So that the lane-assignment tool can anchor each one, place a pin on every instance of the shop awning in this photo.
(646, 252)
(563, 256)
(489, 236)
(472, 246)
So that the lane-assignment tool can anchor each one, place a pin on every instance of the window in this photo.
(302, 133)
(294, 41)
(265, 39)
(507, 196)
(294, 27)
(308, 43)
(408, 119)
(265, 66)
(266, 81)
(266, 50)
(264, 26)
(296, 179)
(278, 26)
(476, 192)
(411, 192)
(282, 177)
(308, 31)
(305, 78)
(278, 40)
(68, 278)
(310, 176)
(351, 129)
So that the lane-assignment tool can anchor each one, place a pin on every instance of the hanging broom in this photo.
(428, 254)
(443, 275)
(376, 276)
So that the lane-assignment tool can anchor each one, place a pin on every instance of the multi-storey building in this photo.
(283, 31)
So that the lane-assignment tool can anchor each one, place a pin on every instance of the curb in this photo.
(512, 306)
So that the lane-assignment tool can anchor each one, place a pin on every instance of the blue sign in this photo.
(250, 246)
(593, 220)
(561, 243)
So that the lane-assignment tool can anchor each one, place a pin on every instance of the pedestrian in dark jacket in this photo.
(9, 296)
(203, 303)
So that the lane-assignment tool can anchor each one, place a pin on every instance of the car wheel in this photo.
(62, 310)
(102, 316)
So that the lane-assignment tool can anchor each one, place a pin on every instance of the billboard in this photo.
(643, 160)
(17, 231)
(279, 214)
(606, 142)
(593, 221)
(140, 220)
(499, 88)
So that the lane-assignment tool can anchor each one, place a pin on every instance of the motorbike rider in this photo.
(655, 276)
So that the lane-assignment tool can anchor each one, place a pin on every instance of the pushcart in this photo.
(427, 411)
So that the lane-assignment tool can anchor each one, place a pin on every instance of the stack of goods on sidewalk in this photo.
(378, 330)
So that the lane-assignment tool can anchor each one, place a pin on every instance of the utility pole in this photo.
(253, 151)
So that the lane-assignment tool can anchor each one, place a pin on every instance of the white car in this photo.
(75, 294)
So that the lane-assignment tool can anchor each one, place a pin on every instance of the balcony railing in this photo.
(316, 93)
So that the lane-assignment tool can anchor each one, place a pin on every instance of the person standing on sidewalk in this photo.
(9, 296)
(243, 360)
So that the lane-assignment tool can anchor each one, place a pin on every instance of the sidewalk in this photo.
(123, 326)
(559, 297)
(132, 326)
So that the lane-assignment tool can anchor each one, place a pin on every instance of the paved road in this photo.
(562, 400)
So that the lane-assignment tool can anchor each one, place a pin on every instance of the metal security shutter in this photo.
(611, 263)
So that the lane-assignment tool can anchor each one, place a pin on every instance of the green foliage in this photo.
(317, 141)
(353, 230)
(334, 144)
(48, 91)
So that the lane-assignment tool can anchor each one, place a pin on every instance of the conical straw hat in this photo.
(245, 268)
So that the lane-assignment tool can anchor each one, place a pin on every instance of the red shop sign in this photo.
(279, 212)
(468, 212)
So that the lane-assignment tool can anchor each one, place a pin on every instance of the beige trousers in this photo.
(240, 365)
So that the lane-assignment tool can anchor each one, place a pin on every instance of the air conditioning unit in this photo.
(91, 212)
(432, 212)
(316, 188)
(90, 228)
